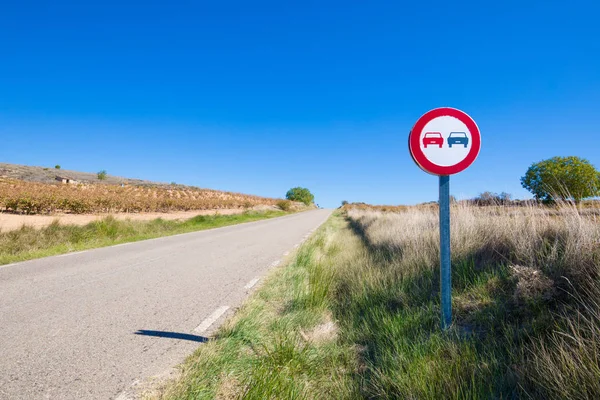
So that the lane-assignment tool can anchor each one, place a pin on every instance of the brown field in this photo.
(22, 197)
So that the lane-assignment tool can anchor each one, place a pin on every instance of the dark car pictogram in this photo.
(433, 138)
(458, 138)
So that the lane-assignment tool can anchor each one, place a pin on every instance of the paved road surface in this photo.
(88, 325)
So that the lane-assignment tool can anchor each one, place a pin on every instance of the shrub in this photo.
(102, 175)
(57, 166)
(492, 199)
(300, 194)
(285, 205)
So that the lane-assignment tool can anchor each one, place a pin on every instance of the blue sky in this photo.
(258, 97)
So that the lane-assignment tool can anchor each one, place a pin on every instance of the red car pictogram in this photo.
(434, 138)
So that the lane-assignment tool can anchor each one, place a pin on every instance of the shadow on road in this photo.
(173, 335)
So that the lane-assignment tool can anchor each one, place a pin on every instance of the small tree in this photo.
(300, 194)
(562, 178)
(344, 202)
(102, 175)
(57, 166)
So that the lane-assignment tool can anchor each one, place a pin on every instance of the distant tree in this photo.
(562, 178)
(344, 202)
(300, 194)
(487, 197)
(505, 198)
(57, 166)
(102, 175)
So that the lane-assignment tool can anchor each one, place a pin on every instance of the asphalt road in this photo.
(89, 325)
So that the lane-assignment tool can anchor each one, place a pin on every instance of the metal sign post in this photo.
(443, 142)
(445, 271)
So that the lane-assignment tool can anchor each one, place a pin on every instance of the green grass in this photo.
(28, 243)
(282, 344)
(526, 315)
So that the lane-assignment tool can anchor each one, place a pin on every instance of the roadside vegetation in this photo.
(356, 312)
(29, 243)
(283, 343)
(44, 198)
(526, 315)
(565, 178)
(300, 194)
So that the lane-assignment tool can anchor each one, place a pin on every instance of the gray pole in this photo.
(445, 273)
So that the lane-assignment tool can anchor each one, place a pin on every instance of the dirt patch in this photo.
(324, 332)
(9, 222)
(532, 284)
(229, 388)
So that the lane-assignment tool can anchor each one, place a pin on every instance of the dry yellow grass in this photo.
(526, 316)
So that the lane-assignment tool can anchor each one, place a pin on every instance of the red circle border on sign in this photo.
(418, 155)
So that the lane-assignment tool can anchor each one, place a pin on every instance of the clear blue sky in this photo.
(258, 97)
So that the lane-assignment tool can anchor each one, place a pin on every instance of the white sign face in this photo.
(445, 141)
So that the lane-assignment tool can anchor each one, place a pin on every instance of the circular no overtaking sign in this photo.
(444, 141)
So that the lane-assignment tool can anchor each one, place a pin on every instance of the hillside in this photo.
(35, 190)
(48, 175)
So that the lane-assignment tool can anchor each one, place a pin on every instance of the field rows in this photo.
(41, 198)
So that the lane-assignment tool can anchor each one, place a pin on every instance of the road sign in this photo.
(444, 141)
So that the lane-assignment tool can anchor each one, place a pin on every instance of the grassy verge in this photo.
(283, 342)
(28, 243)
(356, 313)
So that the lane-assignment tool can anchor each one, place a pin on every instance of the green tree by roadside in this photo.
(300, 194)
(565, 178)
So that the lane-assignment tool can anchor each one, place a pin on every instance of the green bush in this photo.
(102, 175)
(562, 178)
(57, 166)
(300, 194)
